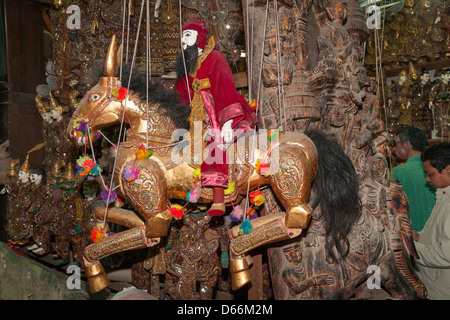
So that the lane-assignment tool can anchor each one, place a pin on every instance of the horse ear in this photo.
(111, 59)
(119, 55)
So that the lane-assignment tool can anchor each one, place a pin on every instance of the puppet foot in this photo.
(217, 209)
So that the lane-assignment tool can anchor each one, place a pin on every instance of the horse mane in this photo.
(168, 100)
(335, 193)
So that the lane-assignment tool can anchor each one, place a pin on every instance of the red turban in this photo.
(199, 26)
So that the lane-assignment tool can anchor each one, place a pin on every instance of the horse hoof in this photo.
(298, 217)
(240, 274)
(96, 277)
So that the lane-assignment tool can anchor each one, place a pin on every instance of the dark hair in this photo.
(438, 154)
(336, 194)
(417, 137)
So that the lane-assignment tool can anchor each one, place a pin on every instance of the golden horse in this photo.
(163, 177)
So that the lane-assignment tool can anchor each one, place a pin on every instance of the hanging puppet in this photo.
(205, 81)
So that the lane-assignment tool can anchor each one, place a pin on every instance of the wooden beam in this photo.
(432, 65)
(44, 1)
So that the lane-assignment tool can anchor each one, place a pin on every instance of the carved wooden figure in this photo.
(193, 261)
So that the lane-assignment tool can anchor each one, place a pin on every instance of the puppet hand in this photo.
(227, 132)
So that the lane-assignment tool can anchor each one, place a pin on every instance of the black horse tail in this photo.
(335, 192)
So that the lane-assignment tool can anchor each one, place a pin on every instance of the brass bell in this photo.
(96, 278)
(240, 274)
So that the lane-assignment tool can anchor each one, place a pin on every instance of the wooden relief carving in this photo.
(323, 66)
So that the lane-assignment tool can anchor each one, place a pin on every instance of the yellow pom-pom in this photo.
(230, 189)
(197, 173)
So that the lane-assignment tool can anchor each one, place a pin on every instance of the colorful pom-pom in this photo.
(230, 189)
(80, 126)
(197, 173)
(120, 93)
(143, 153)
(254, 104)
(262, 169)
(177, 211)
(97, 234)
(236, 214)
(113, 151)
(193, 195)
(109, 196)
(245, 227)
(251, 214)
(130, 173)
(256, 197)
(86, 166)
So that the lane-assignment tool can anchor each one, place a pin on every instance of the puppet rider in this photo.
(211, 87)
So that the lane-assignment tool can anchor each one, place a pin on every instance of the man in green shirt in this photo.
(409, 145)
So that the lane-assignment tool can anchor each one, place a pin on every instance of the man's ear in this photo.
(407, 145)
(447, 170)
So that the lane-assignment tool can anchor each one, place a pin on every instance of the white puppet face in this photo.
(403, 78)
(55, 114)
(425, 78)
(188, 38)
(36, 178)
(47, 117)
(23, 176)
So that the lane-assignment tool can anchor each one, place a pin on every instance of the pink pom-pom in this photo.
(194, 195)
(236, 214)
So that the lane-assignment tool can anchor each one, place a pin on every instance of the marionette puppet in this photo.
(205, 81)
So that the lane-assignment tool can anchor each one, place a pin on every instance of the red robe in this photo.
(222, 103)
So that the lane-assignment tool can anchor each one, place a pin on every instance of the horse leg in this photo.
(123, 217)
(131, 239)
(292, 184)
(149, 196)
(265, 230)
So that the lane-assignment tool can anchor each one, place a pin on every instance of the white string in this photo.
(279, 70)
(182, 54)
(124, 102)
(148, 56)
(128, 31)
(106, 138)
(123, 35)
(261, 61)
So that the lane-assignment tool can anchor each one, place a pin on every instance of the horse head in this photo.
(105, 103)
